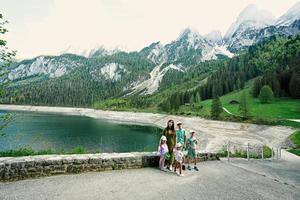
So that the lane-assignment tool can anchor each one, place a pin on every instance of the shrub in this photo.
(266, 94)
(78, 150)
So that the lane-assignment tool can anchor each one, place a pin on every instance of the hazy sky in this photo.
(49, 26)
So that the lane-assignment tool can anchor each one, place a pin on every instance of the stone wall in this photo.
(18, 168)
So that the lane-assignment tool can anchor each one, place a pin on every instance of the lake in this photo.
(42, 131)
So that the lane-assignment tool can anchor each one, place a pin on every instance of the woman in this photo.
(170, 134)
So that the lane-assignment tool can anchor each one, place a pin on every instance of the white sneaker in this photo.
(181, 174)
(171, 168)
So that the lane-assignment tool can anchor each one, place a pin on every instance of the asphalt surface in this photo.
(214, 180)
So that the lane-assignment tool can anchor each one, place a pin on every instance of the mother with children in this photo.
(176, 148)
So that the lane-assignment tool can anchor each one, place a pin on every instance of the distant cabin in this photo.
(232, 102)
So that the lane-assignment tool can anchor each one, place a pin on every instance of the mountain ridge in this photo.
(141, 72)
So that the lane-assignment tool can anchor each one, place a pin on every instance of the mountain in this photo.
(94, 51)
(46, 66)
(250, 18)
(242, 32)
(215, 36)
(187, 50)
(290, 16)
(98, 73)
(254, 25)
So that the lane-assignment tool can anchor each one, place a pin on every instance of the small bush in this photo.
(266, 94)
(295, 138)
(78, 150)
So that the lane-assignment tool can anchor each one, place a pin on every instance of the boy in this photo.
(191, 148)
(180, 134)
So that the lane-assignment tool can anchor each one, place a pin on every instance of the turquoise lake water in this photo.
(42, 131)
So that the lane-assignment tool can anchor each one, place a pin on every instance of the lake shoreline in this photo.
(212, 134)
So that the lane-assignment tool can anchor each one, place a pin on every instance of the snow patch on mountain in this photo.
(214, 36)
(255, 18)
(176, 67)
(96, 50)
(290, 16)
(217, 50)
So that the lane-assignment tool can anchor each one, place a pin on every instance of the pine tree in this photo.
(175, 101)
(256, 87)
(216, 108)
(294, 86)
(192, 99)
(266, 94)
(244, 105)
(197, 98)
(6, 58)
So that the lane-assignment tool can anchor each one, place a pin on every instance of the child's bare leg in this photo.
(160, 162)
(180, 167)
(163, 163)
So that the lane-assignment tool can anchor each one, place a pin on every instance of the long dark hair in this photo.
(172, 128)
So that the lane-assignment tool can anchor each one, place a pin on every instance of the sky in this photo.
(47, 27)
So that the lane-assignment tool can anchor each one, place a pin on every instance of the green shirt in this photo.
(192, 142)
(180, 136)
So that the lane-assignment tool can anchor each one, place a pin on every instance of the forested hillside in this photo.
(82, 85)
(275, 61)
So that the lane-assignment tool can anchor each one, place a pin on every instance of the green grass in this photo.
(280, 108)
(27, 151)
(276, 113)
(295, 138)
(295, 151)
(243, 153)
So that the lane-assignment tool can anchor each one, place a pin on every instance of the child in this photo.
(179, 158)
(162, 150)
(191, 148)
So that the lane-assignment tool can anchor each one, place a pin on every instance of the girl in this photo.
(163, 150)
(179, 158)
(170, 134)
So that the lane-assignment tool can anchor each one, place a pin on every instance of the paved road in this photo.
(215, 180)
(285, 170)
